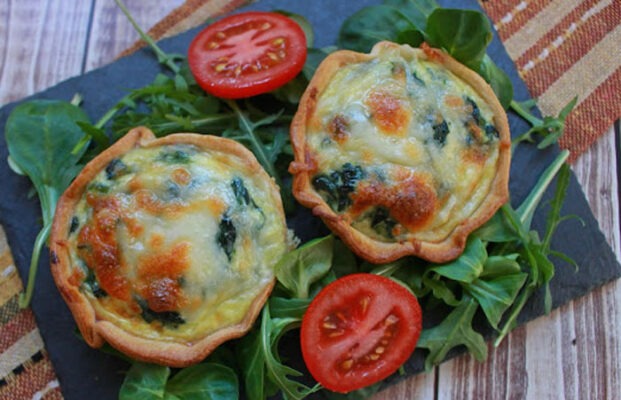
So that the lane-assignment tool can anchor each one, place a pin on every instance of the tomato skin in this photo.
(246, 54)
(359, 330)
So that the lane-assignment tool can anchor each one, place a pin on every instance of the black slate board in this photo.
(87, 373)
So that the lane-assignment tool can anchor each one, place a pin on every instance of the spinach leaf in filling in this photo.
(98, 187)
(92, 284)
(75, 224)
(116, 168)
(382, 223)
(336, 187)
(490, 131)
(241, 193)
(171, 319)
(227, 235)
(174, 156)
(440, 132)
(417, 79)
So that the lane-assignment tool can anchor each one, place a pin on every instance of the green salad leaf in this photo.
(207, 381)
(144, 381)
(38, 134)
(455, 330)
(304, 266)
(372, 24)
(464, 34)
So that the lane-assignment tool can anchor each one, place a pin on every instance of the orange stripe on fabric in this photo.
(569, 41)
(593, 116)
(16, 328)
(33, 379)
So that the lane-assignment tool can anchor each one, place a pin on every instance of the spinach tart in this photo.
(402, 151)
(165, 248)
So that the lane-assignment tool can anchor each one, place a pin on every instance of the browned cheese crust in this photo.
(408, 232)
(94, 324)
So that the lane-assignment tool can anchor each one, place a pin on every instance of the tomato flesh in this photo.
(359, 330)
(247, 54)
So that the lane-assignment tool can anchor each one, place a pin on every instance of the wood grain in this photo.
(111, 33)
(573, 353)
(42, 43)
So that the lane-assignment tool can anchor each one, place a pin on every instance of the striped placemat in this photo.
(562, 49)
(25, 369)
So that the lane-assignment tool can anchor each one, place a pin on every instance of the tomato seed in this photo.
(220, 67)
(347, 364)
(380, 350)
(213, 45)
(329, 325)
(266, 26)
(391, 320)
(337, 333)
(278, 42)
(272, 56)
(364, 303)
(220, 35)
(374, 357)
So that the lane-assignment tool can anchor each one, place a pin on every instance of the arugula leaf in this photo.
(535, 253)
(252, 358)
(455, 330)
(279, 373)
(467, 267)
(495, 295)
(441, 289)
(497, 229)
(526, 210)
(550, 128)
(282, 307)
(38, 134)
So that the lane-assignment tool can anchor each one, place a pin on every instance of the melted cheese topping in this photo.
(403, 147)
(174, 242)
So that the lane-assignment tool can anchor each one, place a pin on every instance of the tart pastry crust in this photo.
(400, 152)
(162, 290)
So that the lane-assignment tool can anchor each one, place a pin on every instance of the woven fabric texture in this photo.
(565, 49)
(25, 369)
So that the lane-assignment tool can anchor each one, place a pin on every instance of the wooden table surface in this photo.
(574, 353)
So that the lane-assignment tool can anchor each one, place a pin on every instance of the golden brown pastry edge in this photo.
(96, 331)
(370, 249)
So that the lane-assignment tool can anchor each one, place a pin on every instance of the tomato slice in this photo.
(246, 54)
(359, 330)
